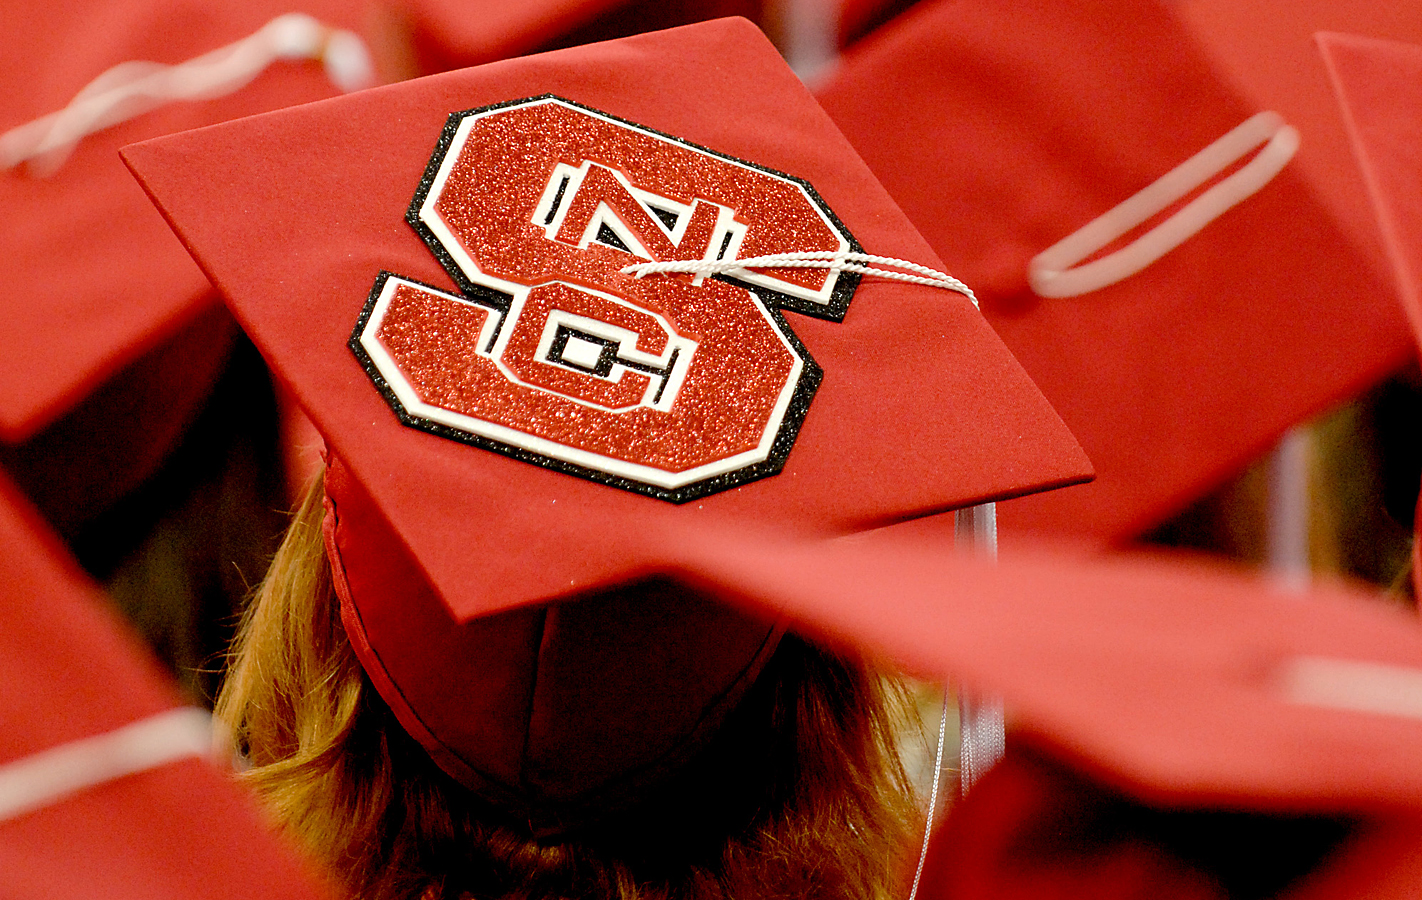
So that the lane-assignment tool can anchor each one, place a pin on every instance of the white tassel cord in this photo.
(130, 89)
(932, 796)
(982, 729)
(834, 260)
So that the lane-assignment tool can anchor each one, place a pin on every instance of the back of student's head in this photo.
(797, 793)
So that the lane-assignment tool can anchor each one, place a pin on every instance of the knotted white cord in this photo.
(834, 260)
(132, 88)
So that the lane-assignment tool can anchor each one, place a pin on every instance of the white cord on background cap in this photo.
(130, 89)
(42, 779)
(834, 260)
(1357, 685)
(1054, 272)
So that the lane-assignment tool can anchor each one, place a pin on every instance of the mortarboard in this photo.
(1376, 84)
(113, 338)
(102, 788)
(531, 184)
(1017, 126)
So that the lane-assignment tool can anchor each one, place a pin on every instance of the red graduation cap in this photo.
(556, 410)
(1176, 729)
(1272, 60)
(112, 336)
(102, 791)
(1376, 82)
(1377, 85)
(1189, 319)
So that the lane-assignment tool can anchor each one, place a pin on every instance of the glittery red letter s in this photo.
(673, 386)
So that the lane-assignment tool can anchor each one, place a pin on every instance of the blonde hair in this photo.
(801, 794)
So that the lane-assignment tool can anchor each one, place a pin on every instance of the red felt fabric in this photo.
(69, 670)
(1014, 125)
(921, 408)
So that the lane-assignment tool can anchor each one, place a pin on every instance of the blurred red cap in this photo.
(70, 673)
(1270, 57)
(113, 338)
(1015, 125)
(1175, 729)
(1377, 84)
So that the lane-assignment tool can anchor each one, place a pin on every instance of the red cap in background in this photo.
(1268, 54)
(102, 791)
(1017, 125)
(113, 337)
(1175, 729)
(1376, 84)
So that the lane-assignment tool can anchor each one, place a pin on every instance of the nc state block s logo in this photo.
(674, 386)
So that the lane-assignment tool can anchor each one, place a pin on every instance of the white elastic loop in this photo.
(1286, 543)
(347, 61)
(132, 88)
(1050, 273)
(834, 260)
(49, 776)
(932, 795)
(1359, 686)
